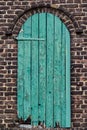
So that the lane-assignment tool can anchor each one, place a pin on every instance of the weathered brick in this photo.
(70, 1)
(2, 80)
(84, 1)
(77, 1)
(76, 124)
(9, 111)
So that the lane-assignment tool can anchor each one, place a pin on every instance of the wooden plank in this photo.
(20, 82)
(68, 107)
(57, 72)
(27, 83)
(27, 69)
(42, 67)
(35, 71)
(49, 90)
(63, 88)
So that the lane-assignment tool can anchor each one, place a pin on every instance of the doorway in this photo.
(44, 71)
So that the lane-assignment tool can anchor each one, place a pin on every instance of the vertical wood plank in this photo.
(49, 90)
(42, 67)
(35, 70)
(57, 72)
(68, 108)
(27, 84)
(27, 69)
(63, 88)
(20, 80)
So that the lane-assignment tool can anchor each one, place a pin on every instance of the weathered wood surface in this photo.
(44, 71)
(42, 68)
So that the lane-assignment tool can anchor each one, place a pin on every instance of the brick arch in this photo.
(67, 18)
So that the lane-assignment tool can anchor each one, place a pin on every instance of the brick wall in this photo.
(74, 14)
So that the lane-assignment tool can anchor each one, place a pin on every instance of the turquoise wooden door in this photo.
(44, 71)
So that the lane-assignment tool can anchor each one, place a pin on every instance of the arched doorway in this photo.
(44, 71)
